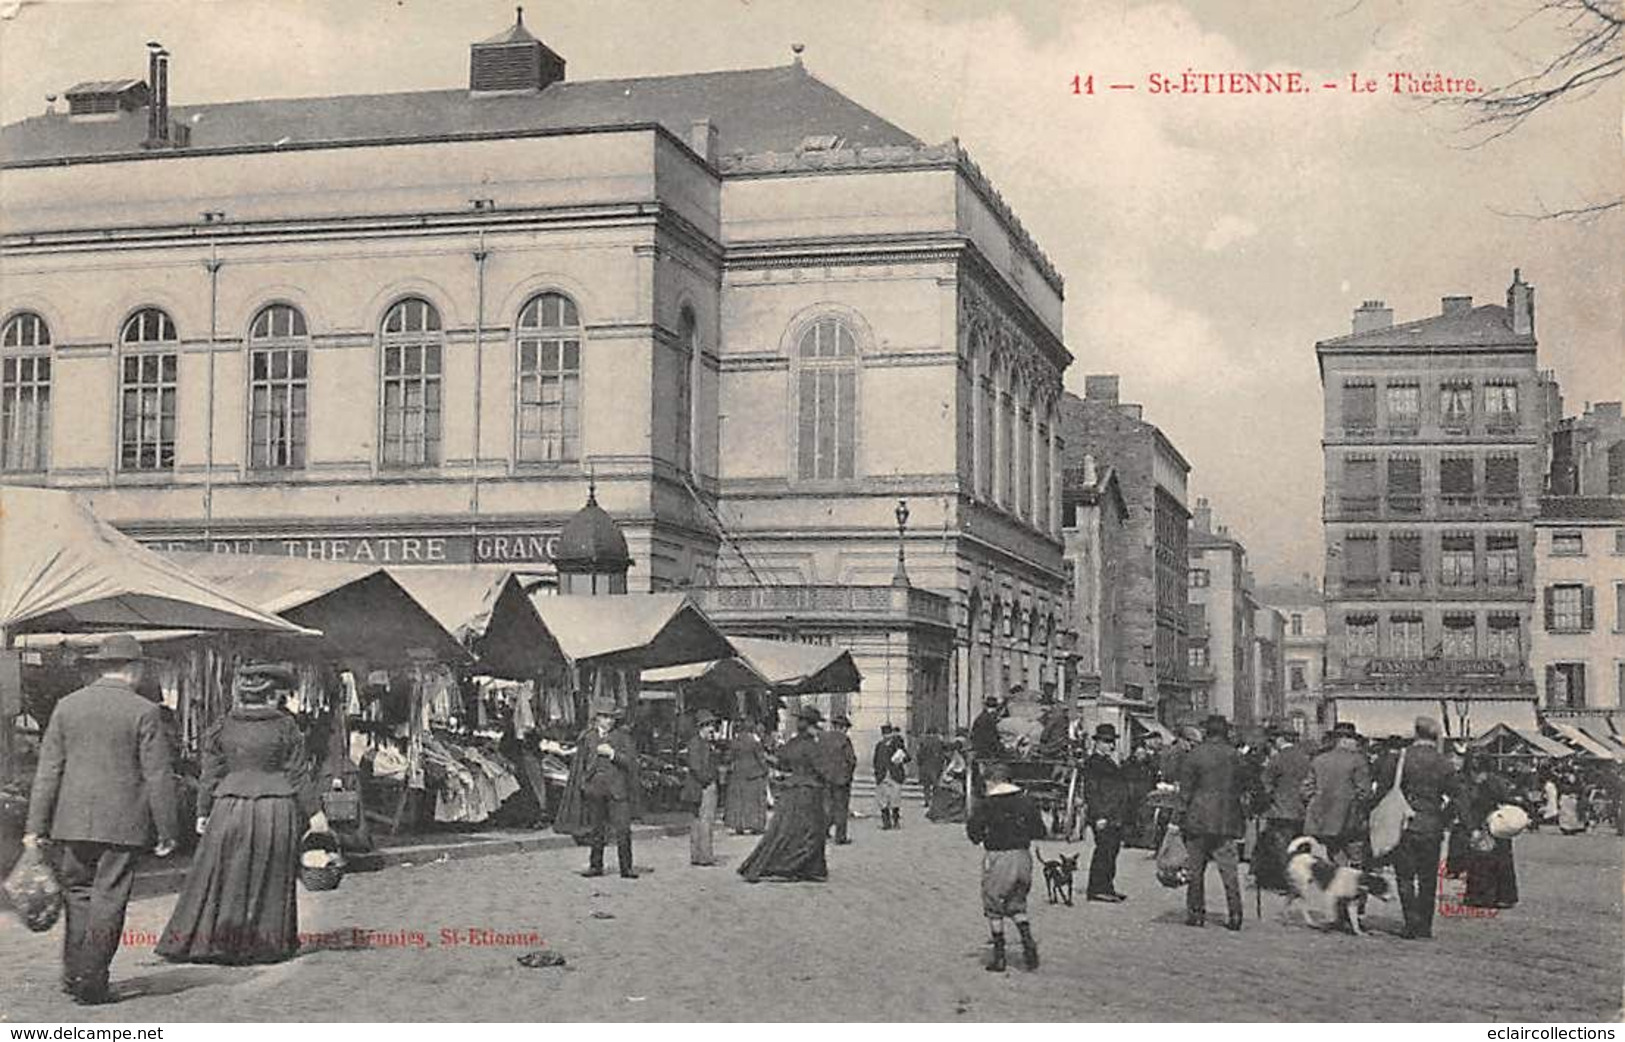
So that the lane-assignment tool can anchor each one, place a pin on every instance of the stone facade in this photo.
(1225, 667)
(1304, 650)
(1093, 523)
(1578, 646)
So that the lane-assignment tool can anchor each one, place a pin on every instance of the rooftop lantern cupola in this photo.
(513, 61)
(591, 556)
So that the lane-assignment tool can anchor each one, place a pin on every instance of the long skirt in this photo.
(947, 804)
(746, 807)
(1492, 878)
(239, 904)
(793, 845)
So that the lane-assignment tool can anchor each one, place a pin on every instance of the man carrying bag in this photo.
(1408, 821)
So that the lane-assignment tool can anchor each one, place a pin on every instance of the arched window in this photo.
(148, 381)
(826, 401)
(1007, 443)
(688, 342)
(25, 393)
(412, 342)
(278, 387)
(1024, 460)
(987, 402)
(549, 380)
(1044, 517)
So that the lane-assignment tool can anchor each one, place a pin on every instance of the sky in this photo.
(1206, 242)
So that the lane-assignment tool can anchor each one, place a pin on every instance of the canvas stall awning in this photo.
(487, 611)
(1582, 741)
(360, 609)
(646, 631)
(724, 675)
(1383, 717)
(63, 570)
(794, 668)
(1536, 743)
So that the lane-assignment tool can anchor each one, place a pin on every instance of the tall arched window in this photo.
(1024, 460)
(1044, 518)
(278, 388)
(1007, 443)
(827, 401)
(987, 401)
(412, 341)
(148, 380)
(688, 343)
(549, 380)
(25, 393)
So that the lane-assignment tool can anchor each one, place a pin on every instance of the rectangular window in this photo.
(1501, 560)
(1360, 636)
(828, 423)
(1460, 636)
(147, 417)
(1456, 565)
(1297, 677)
(1405, 638)
(1569, 608)
(278, 390)
(25, 412)
(1616, 469)
(1360, 560)
(1198, 657)
(1501, 405)
(1456, 480)
(1405, 560)
(685, 410)
(1566, 685)
(1505, 637)
(1456, 404)
(411, 405)
(1360, 405)
(1501, 478)
(1405, 484)
(1404, 405)
(1619, 607)
(1568, 543)
(1297, 624)
(1360, 489)
(1619, 540)
(1199, 578)
(550, 399)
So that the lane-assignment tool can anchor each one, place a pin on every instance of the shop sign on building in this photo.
(504, 548)
(1435, 667)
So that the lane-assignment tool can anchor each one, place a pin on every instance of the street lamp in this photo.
(901, 577)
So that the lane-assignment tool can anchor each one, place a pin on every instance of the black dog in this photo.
(1058, 877)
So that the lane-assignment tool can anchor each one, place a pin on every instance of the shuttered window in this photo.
(1456, 476)
(1570, 608)
(1405, 559)
(1460, 636)
(1360, 559)
(1456, 565)
(1359, 405)
(1501, 475)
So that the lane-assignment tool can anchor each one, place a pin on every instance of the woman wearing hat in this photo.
(745, 803)
(948, 797)
(255, 802)
(793, 846)
(1492, 876)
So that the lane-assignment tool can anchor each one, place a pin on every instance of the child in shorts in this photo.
(1004, 824)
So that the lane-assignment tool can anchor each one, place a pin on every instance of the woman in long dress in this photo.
(255, 799)
(793, 846)
(745, 808)
(948, 798)
(1492, 877)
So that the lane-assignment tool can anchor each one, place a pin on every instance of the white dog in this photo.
(1324, 892)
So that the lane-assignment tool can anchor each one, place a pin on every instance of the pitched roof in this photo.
(1487, 325)
(753, 110)
(1582, 508)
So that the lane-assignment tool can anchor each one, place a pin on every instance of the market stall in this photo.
(1515, 751)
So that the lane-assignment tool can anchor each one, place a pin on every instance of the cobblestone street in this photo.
(894, 935)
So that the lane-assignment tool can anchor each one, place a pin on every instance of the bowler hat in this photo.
(117, 647)
(703, 717)
(260, 678)
(1215, 724)
(1106, 733)
(609, 709)
(810, 714)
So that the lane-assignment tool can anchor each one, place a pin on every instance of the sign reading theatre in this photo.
(507, 548)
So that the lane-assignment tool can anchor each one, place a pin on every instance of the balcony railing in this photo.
(912, 602)
(1404, 503)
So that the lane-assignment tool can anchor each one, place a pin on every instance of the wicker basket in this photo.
(325, 876)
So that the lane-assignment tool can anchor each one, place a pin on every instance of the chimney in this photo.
(1372, 315)
(702, 138)
(1101, 388)
(153, 47)
(162, 101)
(1202, 516)
(1450, 307)
(1521, 305)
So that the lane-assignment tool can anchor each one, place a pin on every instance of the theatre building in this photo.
(409, 328)
(1435, 441)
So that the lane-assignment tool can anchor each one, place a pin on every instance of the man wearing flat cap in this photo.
(1337, 794)
(842, 764)
(700, 788)
(102, 791)
(1427, 780)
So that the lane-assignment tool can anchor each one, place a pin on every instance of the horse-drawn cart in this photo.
(1057, 787)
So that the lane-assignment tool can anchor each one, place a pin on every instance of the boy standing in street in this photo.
(1004, 824)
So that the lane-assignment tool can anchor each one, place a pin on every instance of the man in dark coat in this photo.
(102, 789)
(891, 768)
(700, 789)
(985, 744)
(1428, 780)
(932, 756)
(1337, 791)
(1284, 773)
(612, 778)
(1212, 822)
(842, 764)
(1106, 800)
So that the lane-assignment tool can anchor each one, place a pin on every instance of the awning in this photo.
(360, 609)
(1536, 741)
(726, 675)
(1150, 723)
(794, 668)
(63, 570)
(647, 630)
(1603, 737)
(487, 610)
(1574, 736)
